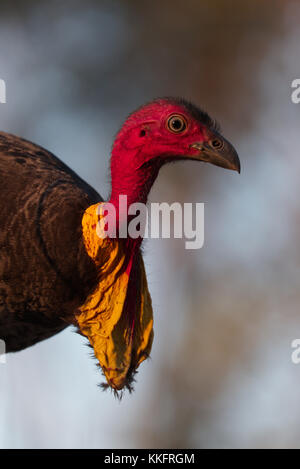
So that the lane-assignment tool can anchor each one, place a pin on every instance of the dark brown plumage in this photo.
(45, 273)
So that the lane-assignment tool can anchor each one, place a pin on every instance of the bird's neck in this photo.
(130, 181)
(136, 188)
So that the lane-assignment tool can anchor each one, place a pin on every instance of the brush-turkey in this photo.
(56, 271)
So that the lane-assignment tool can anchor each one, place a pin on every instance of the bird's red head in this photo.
(164, 130)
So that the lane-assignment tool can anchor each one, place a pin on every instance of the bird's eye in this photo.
(216, 143)
(176, 124)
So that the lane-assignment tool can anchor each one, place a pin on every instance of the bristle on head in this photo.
(194, 111)
(197, 113)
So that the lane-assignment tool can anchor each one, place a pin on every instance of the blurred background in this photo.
(221, 373)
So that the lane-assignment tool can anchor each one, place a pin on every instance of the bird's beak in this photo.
(217, 151)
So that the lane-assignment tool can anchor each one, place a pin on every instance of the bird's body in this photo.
(45, 272)
(54, 269)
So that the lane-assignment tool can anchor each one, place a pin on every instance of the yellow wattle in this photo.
(119, 344)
